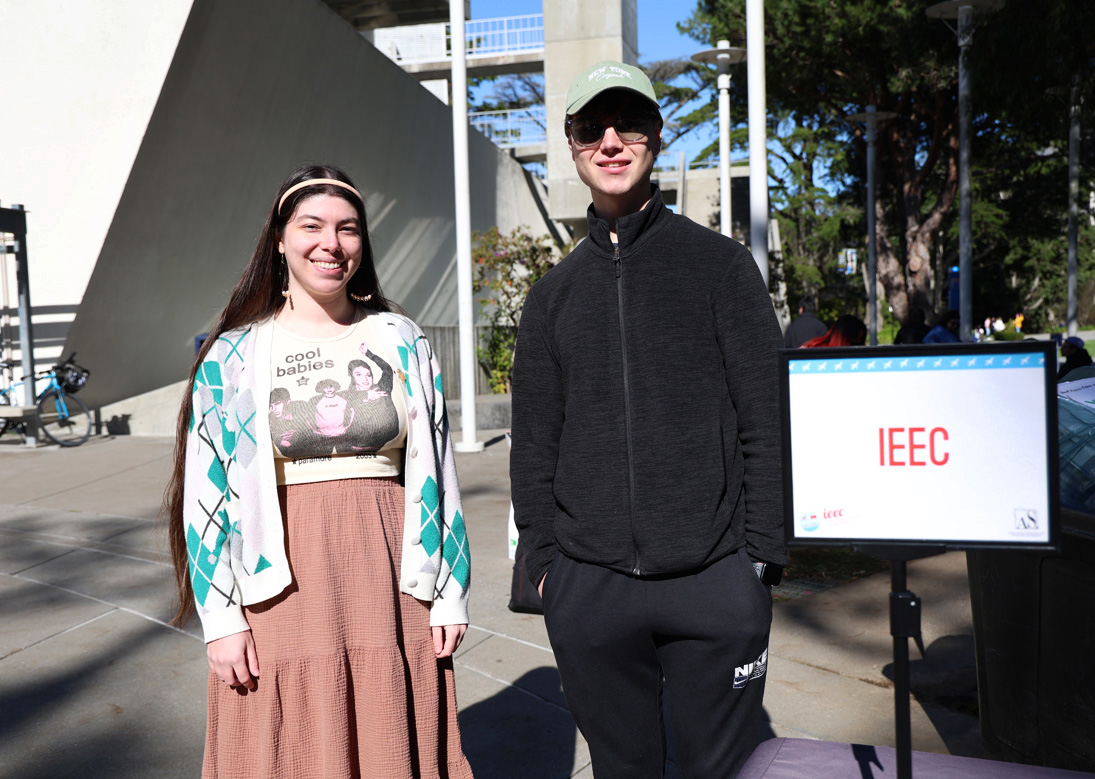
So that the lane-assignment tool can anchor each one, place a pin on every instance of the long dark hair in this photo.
(847, 331)
(257, 296)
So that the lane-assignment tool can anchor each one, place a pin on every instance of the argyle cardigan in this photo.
(234, 535)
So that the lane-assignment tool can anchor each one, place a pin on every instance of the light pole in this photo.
(1075, 100)
(724, 56)
(964, 11)
(1073, 197)
(758, 136)
(461, 178)
(872, 117)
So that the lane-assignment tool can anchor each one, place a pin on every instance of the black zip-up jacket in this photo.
(646, 432)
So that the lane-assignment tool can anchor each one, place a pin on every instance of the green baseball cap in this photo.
(605, 75)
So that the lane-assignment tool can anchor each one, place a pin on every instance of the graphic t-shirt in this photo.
(336, 405)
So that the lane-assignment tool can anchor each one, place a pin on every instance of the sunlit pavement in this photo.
(94, 683)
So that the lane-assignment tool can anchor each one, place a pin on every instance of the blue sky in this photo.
(658, 39)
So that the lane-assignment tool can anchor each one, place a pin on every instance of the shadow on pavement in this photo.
(944, 683)
(519, 733)
(104, 712)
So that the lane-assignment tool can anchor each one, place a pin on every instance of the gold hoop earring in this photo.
(360, 298)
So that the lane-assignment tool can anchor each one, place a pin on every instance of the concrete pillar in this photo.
(578, 33)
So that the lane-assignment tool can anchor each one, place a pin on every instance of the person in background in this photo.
(946, 332)
(914, 329)
(848, 330)
(805, 327)
(1076, 356)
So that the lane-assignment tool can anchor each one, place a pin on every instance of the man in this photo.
(1076, 356)
(805, 327)
(946, 332)
(646, 457)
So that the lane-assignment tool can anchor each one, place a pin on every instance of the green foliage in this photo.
(815, 224)
(1020, 212)
(518, 90)
(504, 269)
(826, 59)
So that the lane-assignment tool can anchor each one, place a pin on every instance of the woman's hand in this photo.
(234, 659)
(446, 638)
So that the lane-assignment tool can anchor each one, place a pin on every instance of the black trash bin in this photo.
(1034, 624)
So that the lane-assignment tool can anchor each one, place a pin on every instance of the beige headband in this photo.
(311, 182)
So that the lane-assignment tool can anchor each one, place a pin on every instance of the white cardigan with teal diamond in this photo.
(234, 534)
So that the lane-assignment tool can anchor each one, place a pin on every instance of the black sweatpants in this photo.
(615, 635)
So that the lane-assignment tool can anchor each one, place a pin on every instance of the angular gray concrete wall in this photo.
(79, 86)
(256, 88)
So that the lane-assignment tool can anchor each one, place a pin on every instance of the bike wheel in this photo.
(64, 419)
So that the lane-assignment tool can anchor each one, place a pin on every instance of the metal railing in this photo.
(517, 127)
(482, 38)
(504, 35)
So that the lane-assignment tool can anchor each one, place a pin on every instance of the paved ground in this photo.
(93, 683)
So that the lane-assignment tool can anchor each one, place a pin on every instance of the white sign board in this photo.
(945, 445)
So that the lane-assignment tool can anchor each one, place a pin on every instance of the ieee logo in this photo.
(1026, 519)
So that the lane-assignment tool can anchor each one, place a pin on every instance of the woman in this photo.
(848, 330)
(373, 409)
(331, 599)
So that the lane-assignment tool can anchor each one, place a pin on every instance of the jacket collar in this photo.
(630, 228)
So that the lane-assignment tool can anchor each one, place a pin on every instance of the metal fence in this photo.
(517, 127)
(482, 38)
(504, 35)
(445, 340)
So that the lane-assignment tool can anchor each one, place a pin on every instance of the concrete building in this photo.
(146, 140)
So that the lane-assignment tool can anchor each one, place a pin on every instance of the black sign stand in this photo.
(904, 624)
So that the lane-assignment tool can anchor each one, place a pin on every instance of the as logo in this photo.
(1026, 519)
(809, 521)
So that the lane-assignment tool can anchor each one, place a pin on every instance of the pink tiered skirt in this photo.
(349, 683)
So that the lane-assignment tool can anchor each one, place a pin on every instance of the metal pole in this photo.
(902, 716)
(965, 221)
(462, 197)
(1073, 197)
(758, 136)
(724, 140)
(5, 302)
(16, 223)
(682, 167)
(872, 254)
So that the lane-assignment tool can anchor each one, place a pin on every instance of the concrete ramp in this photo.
(255, 88)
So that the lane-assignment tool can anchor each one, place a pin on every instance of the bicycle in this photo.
(62, 417)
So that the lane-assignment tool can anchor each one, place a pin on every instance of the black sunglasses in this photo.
(632, 127)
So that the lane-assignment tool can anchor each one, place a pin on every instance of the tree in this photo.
(505, 268)
(806, 162)
(508, 92)
(826, 59)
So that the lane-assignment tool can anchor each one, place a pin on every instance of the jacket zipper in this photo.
(636, 570)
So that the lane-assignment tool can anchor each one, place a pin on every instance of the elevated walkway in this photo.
(371, 14)
(521, 131)
(510, 44)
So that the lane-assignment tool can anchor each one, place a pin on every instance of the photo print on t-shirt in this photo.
(353, 414)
